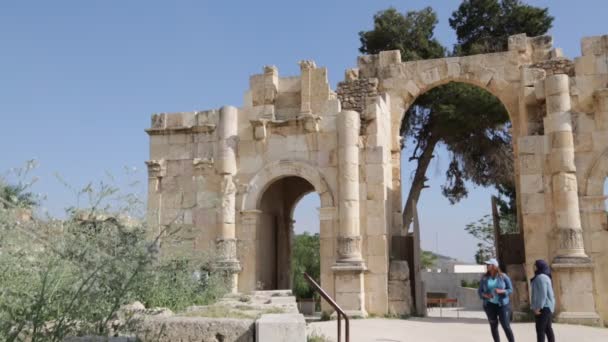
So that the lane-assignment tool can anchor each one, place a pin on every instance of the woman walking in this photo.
(543, 301)
(495, 288)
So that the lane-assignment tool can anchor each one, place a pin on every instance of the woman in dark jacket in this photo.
(543, 301)
(495, 288)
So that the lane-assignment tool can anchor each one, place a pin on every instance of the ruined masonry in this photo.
(230, 178)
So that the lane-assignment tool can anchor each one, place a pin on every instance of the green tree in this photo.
(428, 259)
(484, 26)
(483, 231)
(470, 122)
(305, 258)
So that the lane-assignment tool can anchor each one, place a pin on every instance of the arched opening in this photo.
(276, 230)
(461, 150)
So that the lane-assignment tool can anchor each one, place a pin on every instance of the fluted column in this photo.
(225, 165)
(349, 237)
(573, 268)
(563, 169)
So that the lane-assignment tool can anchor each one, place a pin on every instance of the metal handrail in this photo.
(333, 304)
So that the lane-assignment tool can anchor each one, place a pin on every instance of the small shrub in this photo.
(70, 276)
(316, 336)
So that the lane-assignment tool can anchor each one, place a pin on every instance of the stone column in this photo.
(225, 165)
(306, 68)
(157, 169)
(349, 237)
(565, 196)
(349, 267)
(574, 281)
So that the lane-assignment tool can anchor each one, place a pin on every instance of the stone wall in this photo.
(355, 94)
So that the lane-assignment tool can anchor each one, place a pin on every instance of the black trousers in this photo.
(544, 326)
(499, 314)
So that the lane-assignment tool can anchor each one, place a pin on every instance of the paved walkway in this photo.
(449, 329)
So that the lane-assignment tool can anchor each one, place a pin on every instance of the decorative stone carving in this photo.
(571, 239)
(349, 248)
(159, 121)
(307, 65)
(259, 129)
(311, 123)
(156, 168)
(226, 250)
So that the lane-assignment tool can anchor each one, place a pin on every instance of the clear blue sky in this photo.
(79, 79)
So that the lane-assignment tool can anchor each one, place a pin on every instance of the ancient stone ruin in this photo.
(230, 177)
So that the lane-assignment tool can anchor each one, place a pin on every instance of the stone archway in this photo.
(280, 169)
(267, 224)
(595, 220)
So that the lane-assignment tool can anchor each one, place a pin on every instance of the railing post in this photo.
(335, 305)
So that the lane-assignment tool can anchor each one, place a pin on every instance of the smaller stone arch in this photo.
(595, 176)
(281, 169)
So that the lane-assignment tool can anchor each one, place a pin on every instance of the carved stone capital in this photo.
(311, 123)
(260, 131)
(156, 168)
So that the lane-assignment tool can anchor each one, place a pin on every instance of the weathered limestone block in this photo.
(594, 46)
(398, 290)
(195, 329)
(386, 58)
(531, 184)
(535, 144)
(399, 270)
(518, 42)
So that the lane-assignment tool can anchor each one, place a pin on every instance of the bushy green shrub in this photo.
(306, 258)
(70, 276)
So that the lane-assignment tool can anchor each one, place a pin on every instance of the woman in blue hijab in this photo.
(543, 301)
